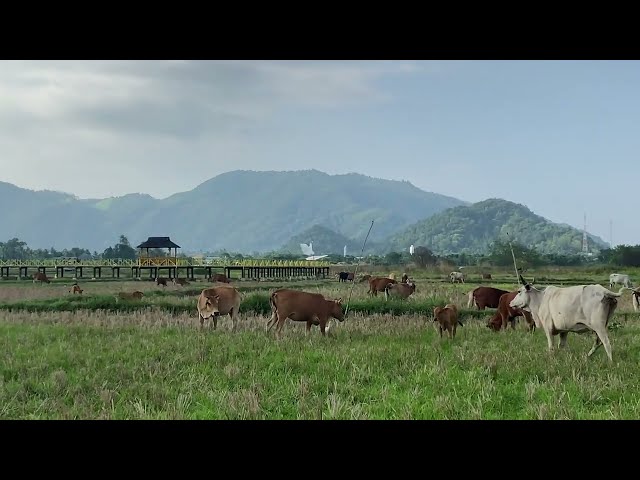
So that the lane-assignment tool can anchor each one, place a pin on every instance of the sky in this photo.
(560, 137)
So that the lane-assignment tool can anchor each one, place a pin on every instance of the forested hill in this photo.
(471, 229)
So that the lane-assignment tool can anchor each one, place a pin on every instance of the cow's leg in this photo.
(215, 322)
(323, 326)
(308, 327)
(563, 339)
(603, 336)
(440, 328)
(272, 321)
(452, 334)
(233, 320)
(595, 346)
(547, 332)
(201, 320)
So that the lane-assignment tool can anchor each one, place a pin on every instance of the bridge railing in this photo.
(163, 261)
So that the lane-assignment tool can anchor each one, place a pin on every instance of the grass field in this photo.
(94, 358)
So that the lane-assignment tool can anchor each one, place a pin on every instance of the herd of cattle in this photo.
(556, 310)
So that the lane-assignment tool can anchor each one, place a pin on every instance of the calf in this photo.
(506, 314)
(161, 281)
(218, 277)
(378, 284)
(76, 289)
(216, 301)
(456, 277)
(299, 306)
(447, 319)
(180, 281)
(344, 276)
(399, 290)
(137, 295)
(41, 277)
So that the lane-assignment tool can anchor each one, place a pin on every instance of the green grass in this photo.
(375, 367)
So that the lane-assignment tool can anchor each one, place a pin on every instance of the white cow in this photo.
(619, 278)
(456, 276)
(576, 309)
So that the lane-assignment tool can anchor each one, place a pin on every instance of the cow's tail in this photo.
(272, 301)
(471, 298)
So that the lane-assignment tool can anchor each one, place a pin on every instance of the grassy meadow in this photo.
(68, 356)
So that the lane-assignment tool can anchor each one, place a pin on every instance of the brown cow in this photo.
(137, 295)
(378, 284)
(180, 281)
(401, 290)
(216, 301)
(41, 277)
(299, 306)
(76, 288)
(218, 277)
(483, 297)
(447, 319)
(364, 278)
(161, 281)
(506, 314)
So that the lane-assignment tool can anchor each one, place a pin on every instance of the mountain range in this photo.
(249, 211)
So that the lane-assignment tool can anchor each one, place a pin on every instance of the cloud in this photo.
(61, 117)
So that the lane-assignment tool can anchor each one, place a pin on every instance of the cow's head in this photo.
(412, 286)
(523, 298)
(211, 306)
(335, 309)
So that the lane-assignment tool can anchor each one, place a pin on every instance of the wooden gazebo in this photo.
(157, 242)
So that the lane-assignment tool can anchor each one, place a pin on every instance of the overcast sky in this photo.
(561, 137)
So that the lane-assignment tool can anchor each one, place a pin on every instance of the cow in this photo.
(137, 295)
(577, 309)
(506, 314)
(216, 301)
(399, 290)
(161, 281)
(447, 319)
(378, 284)
(180, 281)
(456, 277)
(618, 278)
(76, 288)
(483, 297)
(345, 276)
(486, 276)
(218, 277)
(405, 278)
(364, 278)
(312, 308)
(41, 277)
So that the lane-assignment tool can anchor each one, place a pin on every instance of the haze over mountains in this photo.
(248, 211)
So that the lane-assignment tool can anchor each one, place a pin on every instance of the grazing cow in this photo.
(399, 290)
(618, 278)
(161, 281)
(76, 288)
(350, 277)
(456, 277)
(486, 276)
(218, 277)
(447, 319)
(405, 278)
(180, 281)
(137, 295)
(216, 301)
(483, 297)
(378, 284)
(41, 277)
(345, 276)
(364, 278)
(576, 309)
(506, 314)
(299, 306)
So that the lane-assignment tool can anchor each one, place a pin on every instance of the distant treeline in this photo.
(499, 255)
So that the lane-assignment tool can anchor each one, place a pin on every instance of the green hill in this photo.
(471, 229)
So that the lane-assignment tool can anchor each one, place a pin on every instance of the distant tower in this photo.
(345, 250)
(411, 249)
(585, 242)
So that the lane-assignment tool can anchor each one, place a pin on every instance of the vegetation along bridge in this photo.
(171, 266)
